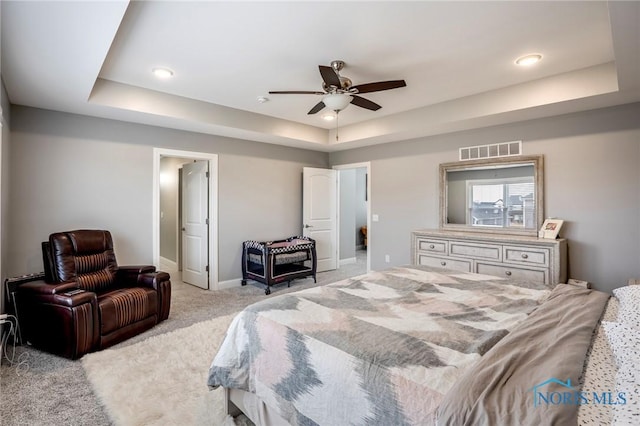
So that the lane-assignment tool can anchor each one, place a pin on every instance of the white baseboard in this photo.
(237, 282)
(347, 261)
(169, 264)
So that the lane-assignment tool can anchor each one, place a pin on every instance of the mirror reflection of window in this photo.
(494, 196)
(505, 202)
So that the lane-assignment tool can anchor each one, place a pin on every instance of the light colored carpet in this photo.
(161, 380)
(55, 391)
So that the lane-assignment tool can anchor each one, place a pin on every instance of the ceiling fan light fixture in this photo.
(528, 60)
(162, 73)
(337, 101)
(328, 117)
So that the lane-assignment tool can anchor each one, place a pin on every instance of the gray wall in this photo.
(169, 198)
(347, 214)
(592, 181)
(361, 203)
(69, 171)
(262, 200)
(353, 210)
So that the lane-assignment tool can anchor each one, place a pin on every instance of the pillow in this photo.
(629, 309)
(627, 293)
(624, 341)
(630, 317)
(625, 345)
(627, 381)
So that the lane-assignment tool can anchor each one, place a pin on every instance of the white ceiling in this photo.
(457, 58)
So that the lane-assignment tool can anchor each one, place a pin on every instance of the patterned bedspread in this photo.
(382, 348)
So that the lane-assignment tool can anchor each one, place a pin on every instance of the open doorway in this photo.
(185, 215)
(354, 212)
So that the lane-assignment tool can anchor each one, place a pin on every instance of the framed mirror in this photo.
(499, 195)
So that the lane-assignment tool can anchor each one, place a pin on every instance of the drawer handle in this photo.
(443, 263)
(508, 273)
(431, 246)
(525, 256)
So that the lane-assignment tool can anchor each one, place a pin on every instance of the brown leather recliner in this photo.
(87, 302)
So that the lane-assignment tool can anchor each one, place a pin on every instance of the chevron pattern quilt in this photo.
(379, 349)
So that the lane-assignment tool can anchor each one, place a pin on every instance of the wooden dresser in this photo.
(512, 257)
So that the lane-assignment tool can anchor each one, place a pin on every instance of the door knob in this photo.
(184, 229)
(308, 226)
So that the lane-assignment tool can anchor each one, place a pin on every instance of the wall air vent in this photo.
(503, 149)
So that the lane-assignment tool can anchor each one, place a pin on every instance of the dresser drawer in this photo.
(513, 272)
(433, 246)
(475, 251)
(527, 255)
(443, 262)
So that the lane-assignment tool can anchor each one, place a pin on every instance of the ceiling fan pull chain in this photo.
(337, 124)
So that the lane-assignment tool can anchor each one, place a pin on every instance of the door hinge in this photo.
(206, 221)
(207, 174)
(207, 268)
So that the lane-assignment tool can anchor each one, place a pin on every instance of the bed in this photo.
(417, 346)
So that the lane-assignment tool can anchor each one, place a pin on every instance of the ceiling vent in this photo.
(503, 149)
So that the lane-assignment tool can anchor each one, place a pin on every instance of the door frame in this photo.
(158, 153)
(3, 152)
(367, 165)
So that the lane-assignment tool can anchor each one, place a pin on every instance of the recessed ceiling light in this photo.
(162, 73)
(328, 117)
(528, 59)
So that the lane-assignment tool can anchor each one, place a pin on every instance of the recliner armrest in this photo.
(55, 318)
(152, 279)
(128, 276)
(42, 287)
(140, 269)
(56, 293)
(75, 299)
(159, 281)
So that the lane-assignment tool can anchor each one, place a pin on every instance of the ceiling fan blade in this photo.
(295, 92)
(319, 106)
(364, 103)
(329, 76)
(378, 86)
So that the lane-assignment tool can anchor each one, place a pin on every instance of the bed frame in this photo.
(242, 402)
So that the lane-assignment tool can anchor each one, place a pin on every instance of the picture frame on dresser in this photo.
(550, 228)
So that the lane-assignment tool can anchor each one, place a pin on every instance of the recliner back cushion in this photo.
(85, 256)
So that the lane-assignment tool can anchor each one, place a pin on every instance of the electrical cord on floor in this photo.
(21, 363)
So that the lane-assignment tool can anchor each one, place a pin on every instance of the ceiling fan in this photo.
(339, 91)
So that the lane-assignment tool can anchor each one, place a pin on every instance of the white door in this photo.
(195, 217)
(319, 214)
